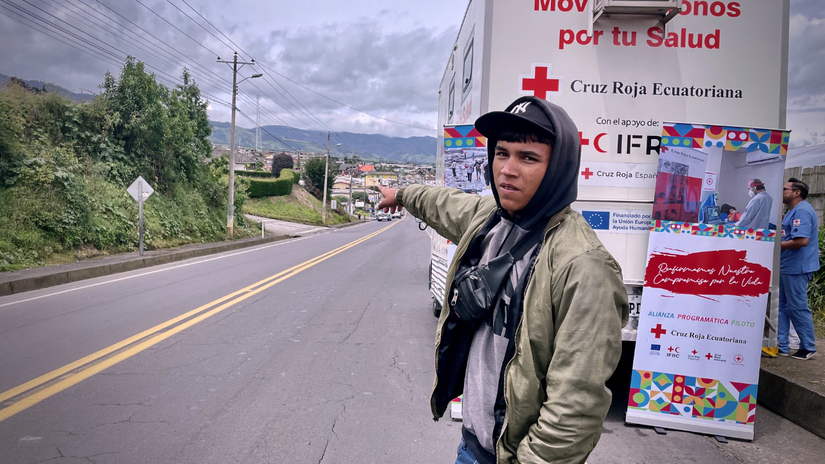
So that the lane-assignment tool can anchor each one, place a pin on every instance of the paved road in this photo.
(268, 355)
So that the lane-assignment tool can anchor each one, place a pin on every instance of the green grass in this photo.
(299, 206)
(40, 228)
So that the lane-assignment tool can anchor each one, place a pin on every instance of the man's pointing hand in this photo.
(388, 203)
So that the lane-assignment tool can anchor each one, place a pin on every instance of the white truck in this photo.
(620, 68)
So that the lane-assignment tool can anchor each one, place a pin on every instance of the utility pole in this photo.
(351, 207)
(230, 206)
(326, 174)
(258, 144)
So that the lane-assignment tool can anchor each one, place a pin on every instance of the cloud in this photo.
(806, 68)
(392, 74)
(388, 64)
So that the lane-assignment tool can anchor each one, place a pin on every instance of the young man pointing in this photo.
(531, 325)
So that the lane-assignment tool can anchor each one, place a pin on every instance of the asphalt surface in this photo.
(331, 362)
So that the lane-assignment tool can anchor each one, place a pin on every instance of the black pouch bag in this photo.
(476, 287)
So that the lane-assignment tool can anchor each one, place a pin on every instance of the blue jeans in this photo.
(793, 307)
(464, 455)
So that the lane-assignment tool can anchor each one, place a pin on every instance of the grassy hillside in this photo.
(299, 206)
(64, 169)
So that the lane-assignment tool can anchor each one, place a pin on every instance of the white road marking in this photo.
(282, 242)
(251, 249)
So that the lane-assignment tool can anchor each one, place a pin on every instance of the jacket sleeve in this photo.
(592, 307)
(448, 211)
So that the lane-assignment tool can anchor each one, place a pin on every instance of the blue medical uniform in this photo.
(795, 271)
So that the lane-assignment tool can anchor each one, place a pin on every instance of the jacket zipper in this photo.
(438, 342)
(517, 334)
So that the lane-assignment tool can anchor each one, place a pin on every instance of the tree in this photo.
(314, 177)
(281, 161)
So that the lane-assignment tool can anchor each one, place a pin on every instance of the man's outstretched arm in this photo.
(448, 211)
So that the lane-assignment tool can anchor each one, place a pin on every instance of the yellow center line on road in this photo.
(64, 377)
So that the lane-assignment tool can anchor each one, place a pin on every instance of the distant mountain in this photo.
(419, 150)
(51, 88)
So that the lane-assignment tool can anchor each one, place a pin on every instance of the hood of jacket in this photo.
(558, 188)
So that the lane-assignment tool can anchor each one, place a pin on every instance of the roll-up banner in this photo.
(707, 278)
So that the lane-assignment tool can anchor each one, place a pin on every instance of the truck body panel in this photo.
(721, 62)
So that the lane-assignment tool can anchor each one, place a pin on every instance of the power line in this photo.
(199, 24)
(264, 93)
(109, 33)
(230, 40)
(176, 28)
(213, 26)
(342, 104)
(305, 87)
(95, 14)
(58, 37)
(148, 33)
(270, 134)
(170, 82)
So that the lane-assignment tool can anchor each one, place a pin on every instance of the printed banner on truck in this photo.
(707, 278)
(465, 159)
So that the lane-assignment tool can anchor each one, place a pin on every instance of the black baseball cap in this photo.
(527, 114)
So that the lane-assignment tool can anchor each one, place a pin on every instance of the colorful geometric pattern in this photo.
(728, 138)
(464, 136)
(681, 395)
(712, 230)
(683, 135)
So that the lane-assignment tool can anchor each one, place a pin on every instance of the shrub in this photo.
(290, 174)
(314, 175)
(279, 162)
(265, 174)
(816, 288)
(270, 187)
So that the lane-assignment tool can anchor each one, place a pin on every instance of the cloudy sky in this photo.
(383, 57)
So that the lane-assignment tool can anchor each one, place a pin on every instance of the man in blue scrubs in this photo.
(800, 259)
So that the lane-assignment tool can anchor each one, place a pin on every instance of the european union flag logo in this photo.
(655, 347)
(598, 220)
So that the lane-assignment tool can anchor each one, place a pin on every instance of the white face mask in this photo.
(751, 193)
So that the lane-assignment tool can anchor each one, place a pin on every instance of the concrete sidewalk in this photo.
(49, 276)
(795, 389)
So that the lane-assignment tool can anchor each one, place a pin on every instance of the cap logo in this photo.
(520, 108)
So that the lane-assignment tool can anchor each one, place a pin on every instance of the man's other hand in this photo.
(388, 203)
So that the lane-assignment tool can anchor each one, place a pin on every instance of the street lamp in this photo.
(230, 207)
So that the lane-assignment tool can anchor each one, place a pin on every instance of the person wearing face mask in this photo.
(757, 214)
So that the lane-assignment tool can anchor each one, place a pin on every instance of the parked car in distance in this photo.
(396, 215)
(381, 216)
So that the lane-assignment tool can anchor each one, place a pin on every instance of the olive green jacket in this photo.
(568, 341)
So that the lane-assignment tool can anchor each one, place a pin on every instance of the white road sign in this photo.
(145, 189)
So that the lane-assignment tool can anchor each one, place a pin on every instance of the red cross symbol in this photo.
(709, 356)
(658, 330)
(670, 348)
(583, 140)
(694, 352)
(587, 173)
(540, 83)
(738, 358)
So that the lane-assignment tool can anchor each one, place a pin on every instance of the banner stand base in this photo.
(713, 428)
